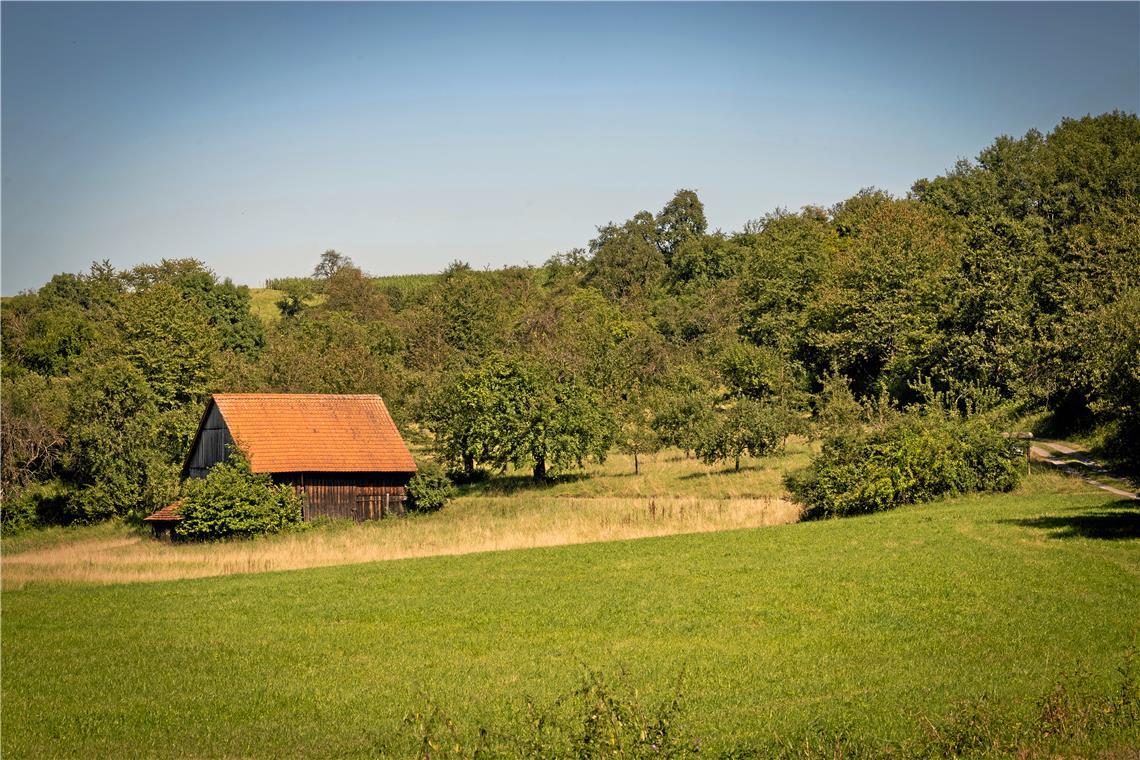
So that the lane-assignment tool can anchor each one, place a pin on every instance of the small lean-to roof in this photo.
(169, 513)
(314, 432)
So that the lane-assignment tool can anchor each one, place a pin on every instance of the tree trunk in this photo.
(636, 466)
(469, 464)
(738, 463)
(540, 469)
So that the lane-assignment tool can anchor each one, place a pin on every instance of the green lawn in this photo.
(866, 626)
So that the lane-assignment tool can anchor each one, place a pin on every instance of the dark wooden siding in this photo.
(349, 495)
(210, 447)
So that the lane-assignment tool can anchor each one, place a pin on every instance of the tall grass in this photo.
(122, 555)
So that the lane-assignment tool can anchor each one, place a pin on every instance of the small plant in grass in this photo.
(602, 718)
(429, 489)
(233, 502)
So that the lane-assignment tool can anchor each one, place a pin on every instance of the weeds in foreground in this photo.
(605, 718)
(601, 719)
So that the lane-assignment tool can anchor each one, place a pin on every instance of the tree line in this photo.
(1012, 281)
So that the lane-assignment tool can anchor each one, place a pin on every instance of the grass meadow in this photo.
(868, 632)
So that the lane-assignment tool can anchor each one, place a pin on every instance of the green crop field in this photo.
(870, 632)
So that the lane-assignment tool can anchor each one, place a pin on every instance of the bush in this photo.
(233, 502)
(429, 489)
(914, 459)
(40, 504)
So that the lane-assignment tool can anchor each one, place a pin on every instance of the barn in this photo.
(341, 453)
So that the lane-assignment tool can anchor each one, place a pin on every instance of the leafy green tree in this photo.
(227, 305)
(789, 258)
(559, 422)
(837, 411)
(755, 372)
(113, 452)
(746, 427)
(168, 337)
(682, 220)
(681, 408)
(520, 413)
(468, 416)
(707, 258)
(876, 316)
(348, 289)
(627, 264)
(33, 436)
(635, 433)
(328, 352)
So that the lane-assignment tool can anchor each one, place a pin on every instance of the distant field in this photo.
(873, 629)
(264, 300)
(263, 303)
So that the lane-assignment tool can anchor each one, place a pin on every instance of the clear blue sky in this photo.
(255, 136)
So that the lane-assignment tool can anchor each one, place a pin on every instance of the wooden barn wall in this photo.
(210, 445)
(349, 496)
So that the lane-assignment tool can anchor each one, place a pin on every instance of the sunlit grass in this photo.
(864, 627)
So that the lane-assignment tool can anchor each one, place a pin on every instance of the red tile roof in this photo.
(313, 432)
(169, 513)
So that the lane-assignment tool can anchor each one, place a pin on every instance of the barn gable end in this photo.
(210, 445)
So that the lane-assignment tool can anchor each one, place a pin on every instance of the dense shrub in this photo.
(429, 489)
(231, 501)
(913, 459)
(39, 504)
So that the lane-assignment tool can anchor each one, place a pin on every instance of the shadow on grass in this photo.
(1112, 522)
(505, 485)
(719, 473)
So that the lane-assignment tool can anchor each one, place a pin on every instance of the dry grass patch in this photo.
(470, 525)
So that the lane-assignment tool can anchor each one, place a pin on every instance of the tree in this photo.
(114, 454)
(522, 413)
(331, 262)
(875, 316)
(681, 406)
(32, 438)
(468, 417)
(327, 352)
(627, 263)
(789, 258)
(837, 411)
(430, 489)
(635, 433)
(349, 290)
(169, 338)
(682, 219)
(746, 427)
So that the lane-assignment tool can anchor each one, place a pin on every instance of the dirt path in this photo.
(1072, 460)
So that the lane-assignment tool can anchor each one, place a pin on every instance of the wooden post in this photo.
(1028, 438)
